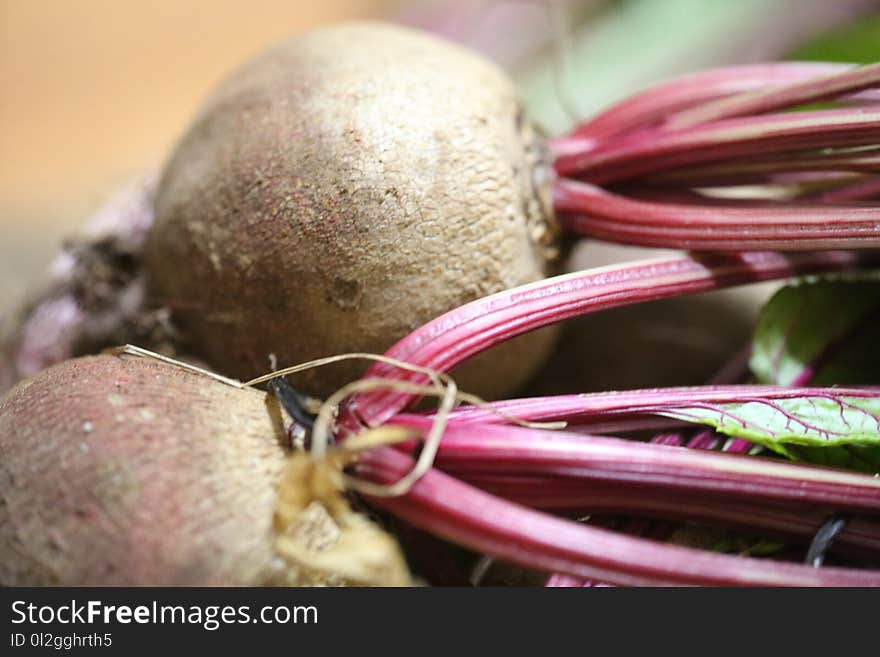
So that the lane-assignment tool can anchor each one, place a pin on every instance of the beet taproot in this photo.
(120, 470)
(343, 188)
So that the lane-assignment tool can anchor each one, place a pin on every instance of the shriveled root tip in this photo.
(94, 296)
(322, 539)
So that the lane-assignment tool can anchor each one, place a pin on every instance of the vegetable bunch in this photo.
(364, 188)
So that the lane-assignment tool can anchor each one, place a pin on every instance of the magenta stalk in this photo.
(454, 337)
(578, 497)
(458, 512)
(593, 211)
(514, 450)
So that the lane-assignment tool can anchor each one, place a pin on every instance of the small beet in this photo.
(121, 471)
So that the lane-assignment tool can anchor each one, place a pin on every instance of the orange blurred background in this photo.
(94, 91)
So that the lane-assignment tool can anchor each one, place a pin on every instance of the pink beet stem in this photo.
(759, 169)
(577, 497)
(696, 89)
(657, 149)
(515, 450)
(449, 508)
(599, 213)
(598, 407)
(867, 188)
(452, 338)
(772, 99)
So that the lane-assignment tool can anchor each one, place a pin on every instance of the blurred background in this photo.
(95, 91)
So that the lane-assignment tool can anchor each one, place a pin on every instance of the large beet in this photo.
(343, 188)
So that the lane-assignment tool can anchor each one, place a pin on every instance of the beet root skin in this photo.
(124, 471)
(363, 179)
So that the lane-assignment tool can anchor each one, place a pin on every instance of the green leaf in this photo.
(634, 45)
(852, 457)
(722, 540)
(855, 42)
(824, 428)
(824, 333)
